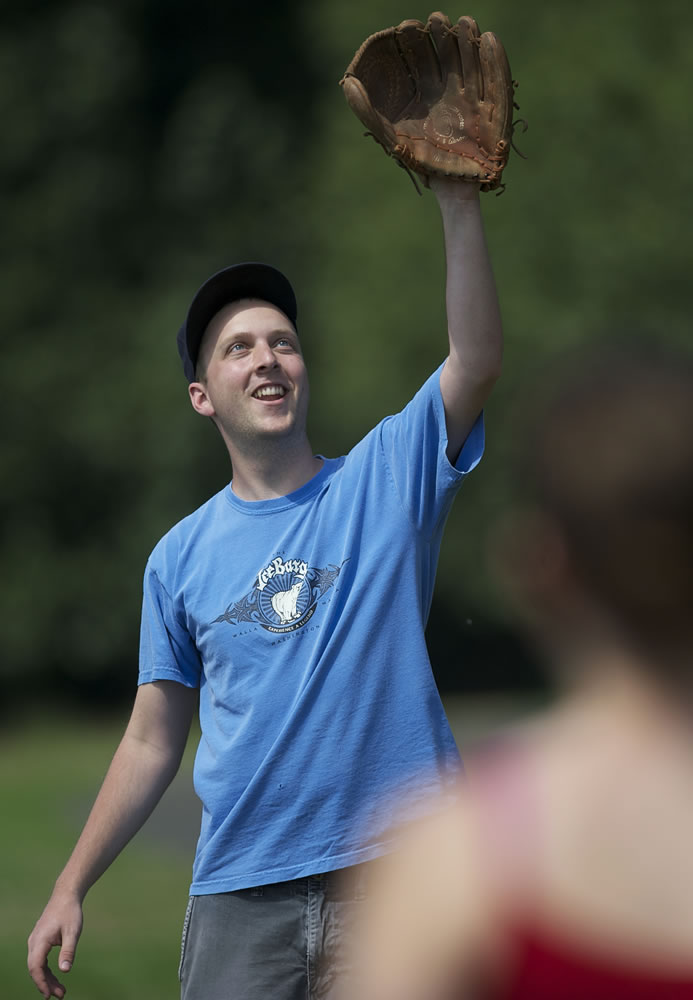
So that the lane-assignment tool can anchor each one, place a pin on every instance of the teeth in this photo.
(269, 390)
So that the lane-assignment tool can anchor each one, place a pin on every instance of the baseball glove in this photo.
(438, 97)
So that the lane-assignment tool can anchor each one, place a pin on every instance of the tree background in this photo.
(146, 144)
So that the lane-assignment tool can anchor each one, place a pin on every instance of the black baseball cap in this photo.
(249, 280)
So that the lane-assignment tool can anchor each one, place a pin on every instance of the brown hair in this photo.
(609, 456)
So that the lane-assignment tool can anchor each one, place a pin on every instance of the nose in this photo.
(264, 355)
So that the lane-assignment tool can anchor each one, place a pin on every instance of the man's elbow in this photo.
(491, 373)
(479, 367)
(480, 380)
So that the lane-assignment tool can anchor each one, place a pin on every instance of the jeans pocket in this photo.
(186, 927)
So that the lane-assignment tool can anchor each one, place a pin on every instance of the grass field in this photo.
(50, 770)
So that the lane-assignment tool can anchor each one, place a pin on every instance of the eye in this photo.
(285, 343)
(236, 347)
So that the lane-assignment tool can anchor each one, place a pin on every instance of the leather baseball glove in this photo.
(438, 97)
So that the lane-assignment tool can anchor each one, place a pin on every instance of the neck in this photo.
(274, 470)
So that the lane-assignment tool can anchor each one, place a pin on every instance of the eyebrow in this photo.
(278, 331)
(229, 338)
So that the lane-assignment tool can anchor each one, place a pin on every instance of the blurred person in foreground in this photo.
(564, 868)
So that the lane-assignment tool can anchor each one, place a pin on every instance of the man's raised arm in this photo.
(474, 321)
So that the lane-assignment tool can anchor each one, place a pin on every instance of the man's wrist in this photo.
(68, 888)
(454, 190)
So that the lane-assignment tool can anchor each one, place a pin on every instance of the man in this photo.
(294, 602)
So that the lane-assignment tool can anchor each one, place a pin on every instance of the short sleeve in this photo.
(167, 650)
(414, 445)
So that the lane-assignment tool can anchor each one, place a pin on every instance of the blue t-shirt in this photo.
(301, 619)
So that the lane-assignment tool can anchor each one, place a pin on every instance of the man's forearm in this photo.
(143, 766)
(136, 779)
(474, 323)
(133, 785)
(473, 311)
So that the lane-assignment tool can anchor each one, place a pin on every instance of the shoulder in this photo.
(188, 530)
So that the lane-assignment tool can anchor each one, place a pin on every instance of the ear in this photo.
(201, 402)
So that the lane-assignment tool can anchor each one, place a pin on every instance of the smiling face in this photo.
(252, 377)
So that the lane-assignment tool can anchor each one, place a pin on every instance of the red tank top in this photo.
(542, 969)
(543, 966)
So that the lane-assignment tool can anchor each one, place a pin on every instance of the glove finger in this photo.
(448, 52)
(497, 81)
(419, 54)
(379, 66)
(468, 45)
(360, 103)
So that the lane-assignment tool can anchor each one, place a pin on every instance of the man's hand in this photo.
(59, 926)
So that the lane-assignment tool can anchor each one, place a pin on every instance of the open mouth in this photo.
(270, 392)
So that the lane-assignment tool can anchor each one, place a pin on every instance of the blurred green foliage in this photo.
(147, 144)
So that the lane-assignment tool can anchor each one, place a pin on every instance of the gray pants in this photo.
(275, 942)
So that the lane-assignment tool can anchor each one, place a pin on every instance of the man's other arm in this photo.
(143, 766)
